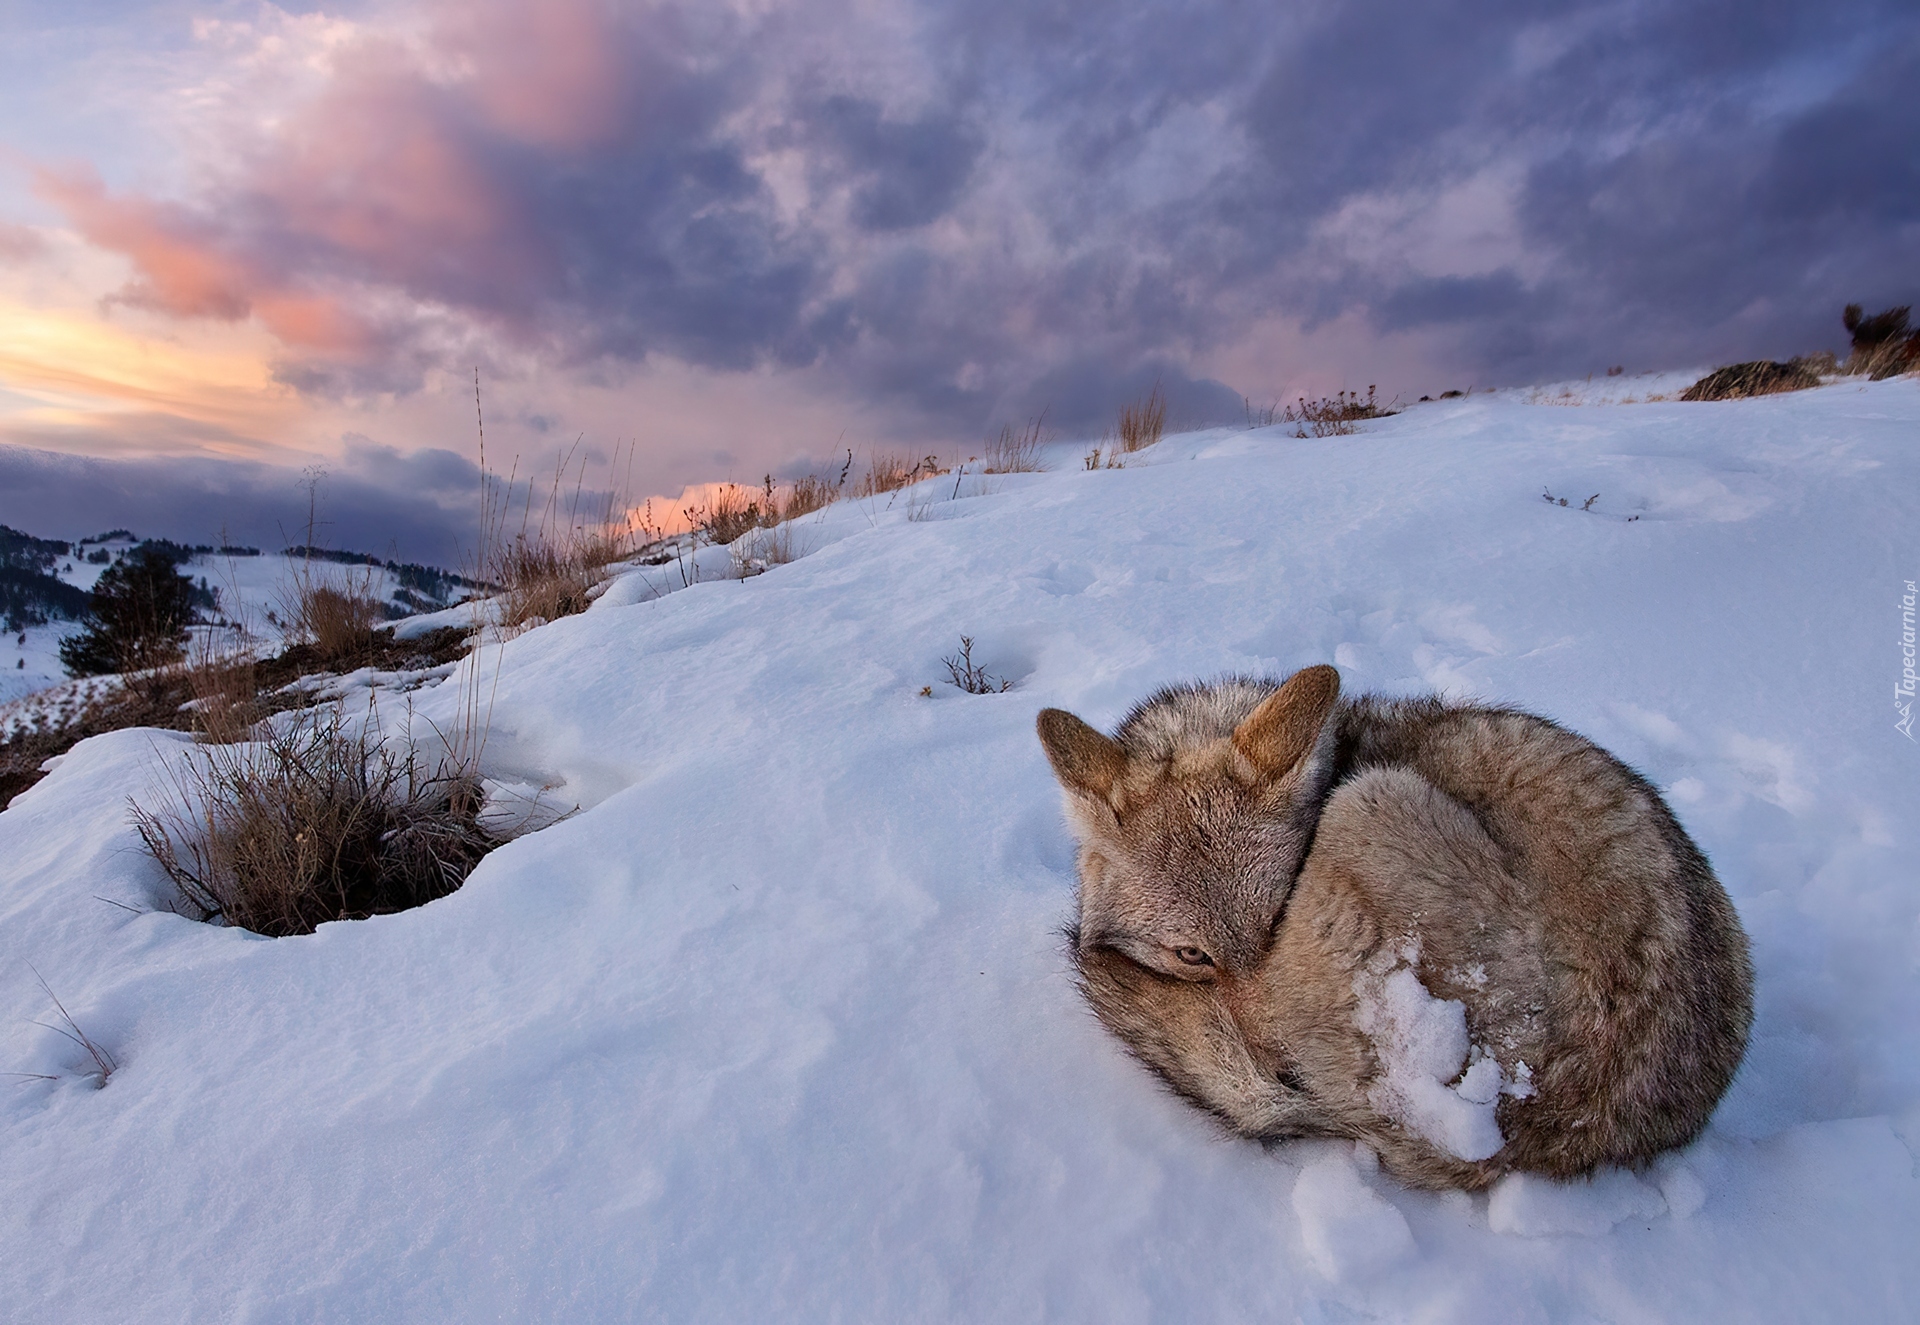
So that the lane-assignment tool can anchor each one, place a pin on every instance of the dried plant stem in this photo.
(104, 1065)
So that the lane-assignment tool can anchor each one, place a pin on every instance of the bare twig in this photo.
(970, 676)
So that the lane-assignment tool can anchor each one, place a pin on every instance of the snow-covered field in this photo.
(778, 1027)
(254, 593)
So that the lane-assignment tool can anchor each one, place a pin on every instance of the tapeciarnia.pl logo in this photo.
(1903, 689)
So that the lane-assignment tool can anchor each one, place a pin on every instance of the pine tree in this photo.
(137, 616)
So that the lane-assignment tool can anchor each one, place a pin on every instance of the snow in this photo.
(1434, 1081)
(1536, 1207)
(777, 1025)
(1349, 1231)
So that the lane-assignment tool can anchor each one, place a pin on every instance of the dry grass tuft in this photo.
(887, 472)
(548, 570)
(1761, 377)
(1336, 415)
(543, 580)
(317, 820)
(728, 514)
(225, 695)
(337, 621)
(104, 1065)
(1883, 345)
(808, 495)
(1017, 450)
(1141, 425)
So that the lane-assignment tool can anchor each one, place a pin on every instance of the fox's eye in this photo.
(1193, 956)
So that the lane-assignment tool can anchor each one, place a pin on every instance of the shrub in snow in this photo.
(1462, 935)
(970, 676)
(726, 515)
(887, 472)
(316, 820)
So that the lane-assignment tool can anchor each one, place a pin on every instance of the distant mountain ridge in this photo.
(34, 592)
(30, 593)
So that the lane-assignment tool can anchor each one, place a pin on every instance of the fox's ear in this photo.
(1278, 734)
(1082, 758)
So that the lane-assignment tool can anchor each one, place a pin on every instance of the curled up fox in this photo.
(1460, 934)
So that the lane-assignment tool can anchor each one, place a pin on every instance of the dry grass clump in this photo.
(808, 495)
(1336, 415)
(543, 580)
(728, 514)
(547, 571)
(225, 692)
(337, 621)
(1883, 345)
(317, 820)
(550, 572)
(1760, 377)
(103, 1062)
(1017, 450)
(887, 472)
(1141, 425)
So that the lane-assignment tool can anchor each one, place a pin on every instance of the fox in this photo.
(1459, 934)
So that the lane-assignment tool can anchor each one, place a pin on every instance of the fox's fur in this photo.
(1253, 853)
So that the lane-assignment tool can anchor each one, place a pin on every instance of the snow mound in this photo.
(1422, 1045)
(1350, 1231)
(1536, 1207)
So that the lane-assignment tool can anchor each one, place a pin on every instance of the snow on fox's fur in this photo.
(1290, 904)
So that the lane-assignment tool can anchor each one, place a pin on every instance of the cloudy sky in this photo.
(238, 241)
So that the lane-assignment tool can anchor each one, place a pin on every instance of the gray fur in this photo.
(1307, 848)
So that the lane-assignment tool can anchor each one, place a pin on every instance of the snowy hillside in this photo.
(252, 591)
(779, 1026)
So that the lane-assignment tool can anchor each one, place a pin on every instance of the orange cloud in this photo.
(317, 322)
(181, 272)
(183, 269)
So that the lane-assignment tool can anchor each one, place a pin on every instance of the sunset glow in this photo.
(746, 237)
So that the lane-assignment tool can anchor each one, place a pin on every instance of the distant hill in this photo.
(420, 589)
(31, 594)
(43, 580)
